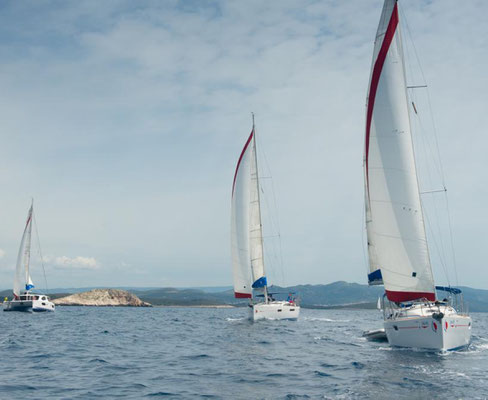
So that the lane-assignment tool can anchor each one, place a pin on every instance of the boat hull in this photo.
(376, 335)
(447, 333)
(28, 305)
(275, 310)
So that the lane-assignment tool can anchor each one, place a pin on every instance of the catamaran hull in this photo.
(28, 306)
(449, 333)
(275, 310)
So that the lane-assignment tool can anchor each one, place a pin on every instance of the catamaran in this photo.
(247, 241)
(397, 245)
(24, 299)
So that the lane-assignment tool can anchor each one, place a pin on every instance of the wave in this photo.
(325, 319)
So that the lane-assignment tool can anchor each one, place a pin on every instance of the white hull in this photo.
(28, 305)
(275, 310)
(429, 327)
(376, 335)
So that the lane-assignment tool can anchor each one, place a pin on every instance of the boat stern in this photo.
(444, 334)
(42, 305)
(275, 310)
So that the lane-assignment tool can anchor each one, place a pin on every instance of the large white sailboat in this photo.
(24, 299)
(247, 241)
(397, 244)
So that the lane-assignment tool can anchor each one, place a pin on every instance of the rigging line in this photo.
(435, 156)
(268, 245)
(428, 94)
(276, 221)
(437, 248)
(435, 160)
(435, 230)
(434, 226)
(434, 198)
(452, 240)
(434, 191)
(40, 252)
(268, 251)
(437, 148)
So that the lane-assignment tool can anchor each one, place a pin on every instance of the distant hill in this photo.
(334, 295)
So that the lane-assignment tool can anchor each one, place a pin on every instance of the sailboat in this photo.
(247, 241)
(24, 299)
(397, 244)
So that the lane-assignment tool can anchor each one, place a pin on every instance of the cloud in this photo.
(2, 253)
(79, 262)
(136, 114)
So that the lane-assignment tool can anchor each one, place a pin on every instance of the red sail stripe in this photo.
(238, 295)
(240, 159)
(399, 297)
(375, 78)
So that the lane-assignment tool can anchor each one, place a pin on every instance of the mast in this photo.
(27, 248)
(22, 279)
(265, 287)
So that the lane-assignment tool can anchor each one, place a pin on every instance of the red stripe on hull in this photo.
(238, 295)
(399, 297)
(375, 79)
(240, 159)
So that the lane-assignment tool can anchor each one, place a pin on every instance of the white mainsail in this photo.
(22, 280)
(397, 245)
(246, 228)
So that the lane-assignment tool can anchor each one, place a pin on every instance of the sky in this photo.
(124, 121)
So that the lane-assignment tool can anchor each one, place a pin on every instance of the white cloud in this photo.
(75, 262)
(136, 115)
(2, 253)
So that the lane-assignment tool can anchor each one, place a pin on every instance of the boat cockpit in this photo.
(32, 296)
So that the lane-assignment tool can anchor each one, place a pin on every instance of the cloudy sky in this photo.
(124, 121)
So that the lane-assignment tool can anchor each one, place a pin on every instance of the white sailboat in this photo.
(397, 244)
(24, 299)
(247, 241)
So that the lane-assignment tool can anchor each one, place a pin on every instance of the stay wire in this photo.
(436, 141)
(40, 252)
(275, 220)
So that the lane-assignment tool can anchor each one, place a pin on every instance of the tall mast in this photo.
(27, 249)
(265, 288)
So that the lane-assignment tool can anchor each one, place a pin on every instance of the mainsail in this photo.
(397, 245)
(246, 228)
(22, 280)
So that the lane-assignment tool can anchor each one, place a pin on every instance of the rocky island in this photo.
(102, 298)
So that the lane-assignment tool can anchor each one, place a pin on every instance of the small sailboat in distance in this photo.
(24, 299)
(247, 240)
(397, 243)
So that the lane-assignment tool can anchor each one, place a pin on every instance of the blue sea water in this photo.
(191, 353)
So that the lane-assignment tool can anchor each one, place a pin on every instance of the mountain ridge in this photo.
(338, 294)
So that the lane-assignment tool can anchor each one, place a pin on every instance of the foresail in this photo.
(240, 208)
(22, 280)
(374, 275)
(397, 245)
(255, 227)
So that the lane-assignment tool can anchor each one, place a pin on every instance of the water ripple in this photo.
(192, 353)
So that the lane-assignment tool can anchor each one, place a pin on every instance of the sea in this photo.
(217, 353)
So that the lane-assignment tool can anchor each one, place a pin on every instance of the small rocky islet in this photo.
(102, 298)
